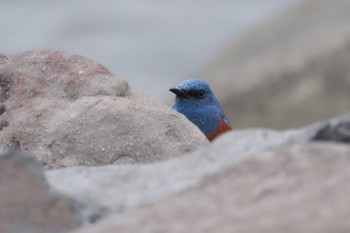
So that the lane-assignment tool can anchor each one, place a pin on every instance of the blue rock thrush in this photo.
(197, 102)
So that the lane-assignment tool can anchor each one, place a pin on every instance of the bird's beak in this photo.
(178, 92)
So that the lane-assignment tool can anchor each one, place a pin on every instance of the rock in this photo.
(290, 71)
(135, 186)
(337, 130)
(302, 189)
(68, 110)
(28, 205)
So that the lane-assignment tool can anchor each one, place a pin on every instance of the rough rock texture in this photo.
(68, 110)
(121, 187)
(27, 205)
(303, 189)
(337, 130)
(118, 188)
(290, 71)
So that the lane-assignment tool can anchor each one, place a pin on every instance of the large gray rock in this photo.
(68, 110)
(27, 204)
(298, 190)
(290, 71)
(122, 187)
(118, 188)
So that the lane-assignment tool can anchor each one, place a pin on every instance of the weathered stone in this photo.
(290, 71)
(303, 189)
(27, 205)
(122, 187)
(135, 186)
(68, 110)
(337, 130)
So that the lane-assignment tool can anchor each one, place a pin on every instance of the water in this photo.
(151, 43)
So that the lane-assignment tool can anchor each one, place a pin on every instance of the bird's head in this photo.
(194, 93)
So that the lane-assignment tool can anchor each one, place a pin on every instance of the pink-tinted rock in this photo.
(27, 204)
(296, 190)
(69, 110)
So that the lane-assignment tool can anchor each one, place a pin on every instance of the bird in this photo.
(196, 100)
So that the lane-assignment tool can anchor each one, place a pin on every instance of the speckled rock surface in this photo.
(69, 110)
(296, 190)
(119, 188)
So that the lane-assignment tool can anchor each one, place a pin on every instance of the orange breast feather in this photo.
(224, 127)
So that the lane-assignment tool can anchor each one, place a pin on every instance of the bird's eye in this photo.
(201, 94)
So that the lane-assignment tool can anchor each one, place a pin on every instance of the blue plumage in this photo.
(195, 99)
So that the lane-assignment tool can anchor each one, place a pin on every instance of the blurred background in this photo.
(272, 63)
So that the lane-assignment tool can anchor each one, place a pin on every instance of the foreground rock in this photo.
(303, 189)
(289, 72)
(68, 110)
(119, 188)
(27, 203)
(122, 187)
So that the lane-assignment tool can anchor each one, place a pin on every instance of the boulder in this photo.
(119, 188)
(296, 190)
(288, 72)
(69, 110)
(28, 205)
